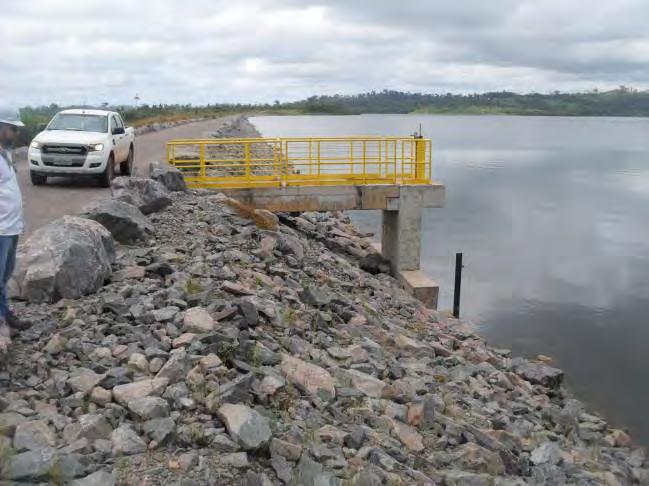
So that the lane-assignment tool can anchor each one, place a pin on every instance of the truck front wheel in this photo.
(126, 167)
(37, 179)
(107, 175)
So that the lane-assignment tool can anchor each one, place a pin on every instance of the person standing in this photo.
(11, 222)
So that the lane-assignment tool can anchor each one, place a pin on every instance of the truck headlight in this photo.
(36, 145)
(96, 147)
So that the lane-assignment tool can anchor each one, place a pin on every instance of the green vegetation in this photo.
(620, 102)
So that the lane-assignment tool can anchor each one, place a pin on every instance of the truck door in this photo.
(120, 141)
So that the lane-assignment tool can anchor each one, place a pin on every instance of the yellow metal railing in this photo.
(279, 162)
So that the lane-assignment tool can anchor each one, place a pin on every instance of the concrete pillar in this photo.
(401, 243)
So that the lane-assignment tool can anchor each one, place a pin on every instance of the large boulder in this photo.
(168, 175)
(67, 258)
(148, 195)
(125, 222)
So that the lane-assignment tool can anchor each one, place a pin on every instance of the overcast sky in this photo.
(199, 51)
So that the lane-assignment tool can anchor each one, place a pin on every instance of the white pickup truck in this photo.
(82, 143)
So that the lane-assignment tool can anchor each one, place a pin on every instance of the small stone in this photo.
(155, 365)
(407, 435)
(126, 442)
(138, 362)
(245, 425)
(187, 461)
(175, 369)
(618, 438)
(249, 310)
(412, 347)
(286, 449)
(99, 478)
(315, 296)
(165, 314)
(235, 289)
(538, 374)
(237, 460)
(370, 386)
(147, 408)
(210, 362)
(159, 430)
(311, 473)
(546, 453)
(422, 414)
(9, 421)
(356, 438)
(197, 320)
(84, 380)
(270, 384)
(90, 427)
(140, 389)
(56, 344)
(308, 377)
(34, 435)
(184, 339)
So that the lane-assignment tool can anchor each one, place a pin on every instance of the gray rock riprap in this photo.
(168, 175)
(125, 222)
(147, 195)
(272, 357)
(67, 258)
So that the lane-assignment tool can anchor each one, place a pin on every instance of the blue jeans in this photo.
(8, 246)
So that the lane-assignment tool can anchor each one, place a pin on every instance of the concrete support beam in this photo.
(333, 198)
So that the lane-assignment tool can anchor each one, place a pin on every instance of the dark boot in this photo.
(17, 324)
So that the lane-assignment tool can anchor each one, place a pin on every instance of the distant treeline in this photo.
(620, 102)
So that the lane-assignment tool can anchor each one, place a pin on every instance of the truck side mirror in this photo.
(118, 130)
(41, 126)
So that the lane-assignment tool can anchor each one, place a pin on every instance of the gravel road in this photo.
(63, 196)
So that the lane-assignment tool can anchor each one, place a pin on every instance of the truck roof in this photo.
(83, 111)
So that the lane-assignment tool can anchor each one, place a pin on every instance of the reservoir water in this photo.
(552, 215)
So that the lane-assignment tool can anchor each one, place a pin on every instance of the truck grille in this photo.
(64, 155)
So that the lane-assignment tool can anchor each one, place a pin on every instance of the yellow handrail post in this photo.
(283, 147)
(420, 158)
(201, 161)
(395, 161)
(430, 160)
(319, 156)
(277, 169)
(365, 161)
(246, 158)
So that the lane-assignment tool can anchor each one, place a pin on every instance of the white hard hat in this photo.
(10, 117)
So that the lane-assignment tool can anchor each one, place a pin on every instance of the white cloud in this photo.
(260, 50)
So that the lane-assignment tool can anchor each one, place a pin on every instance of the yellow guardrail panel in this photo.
(278, 162)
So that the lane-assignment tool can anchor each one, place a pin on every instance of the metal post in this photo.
(458, 285)
(420, 158)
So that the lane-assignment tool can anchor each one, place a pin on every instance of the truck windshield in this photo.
(79, 123)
